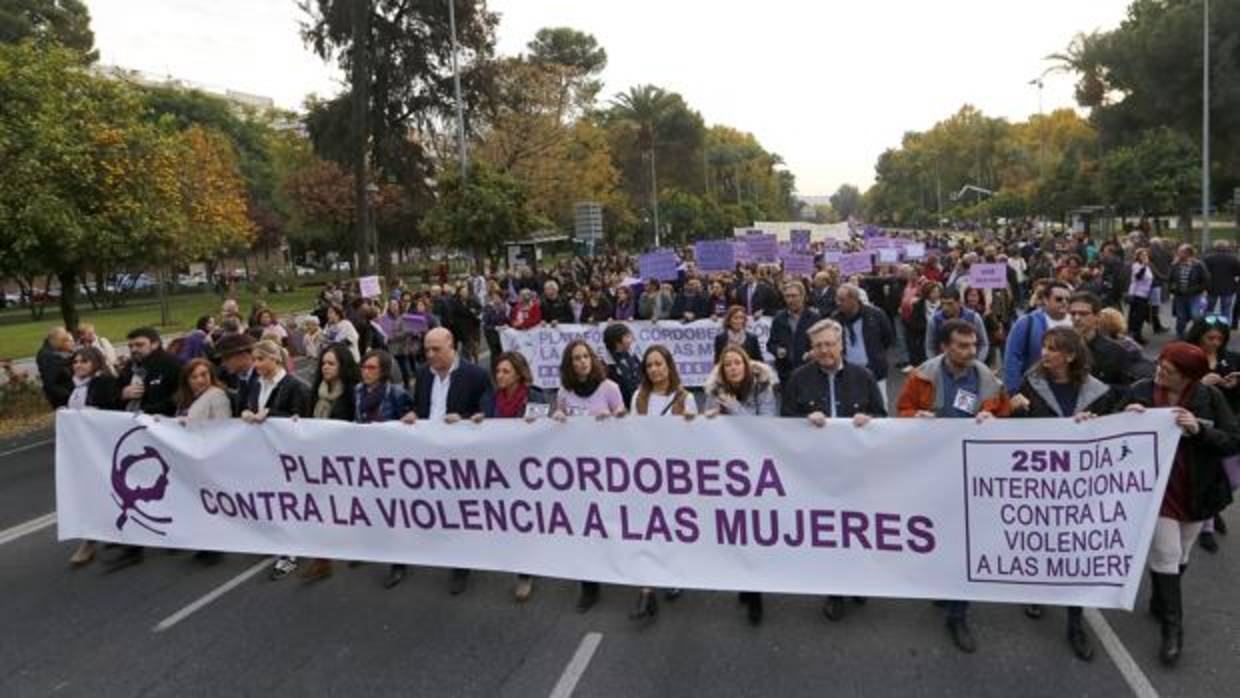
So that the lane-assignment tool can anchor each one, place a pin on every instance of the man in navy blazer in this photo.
(446, 389)
(448, 385)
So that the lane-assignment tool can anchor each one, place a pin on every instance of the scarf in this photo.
(587, 387)
(77, 399)
(328, 395)
(511, 404)
(370, 408)
(737, 338)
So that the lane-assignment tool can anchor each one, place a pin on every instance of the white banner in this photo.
(692, 345)
(1022, 511)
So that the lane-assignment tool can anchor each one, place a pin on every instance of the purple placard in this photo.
(740, 251)
(715, 255)
(416, 323)
(660, 265)
(832, 257)
(988, 275)
(800, 239)
(915, 251)
(879, 243)
(856, 263)
(762, 248)
(797, 264)
(888, 255)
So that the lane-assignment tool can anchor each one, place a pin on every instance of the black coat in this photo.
(1110, 361)
(103, 392)
(626, 372)
(238, 388)
(467, 392)
(1209, 490)
(877, 333)
(766, 299)
(823, 300)
(56, 374)
(558, 310)
(1224, 268)
(291, 397)
(1095, 397)
(793, 340)
(163, 374)
(699, 305)
(751, 346)
(808, 390)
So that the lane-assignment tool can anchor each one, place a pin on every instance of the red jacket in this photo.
(523, 319)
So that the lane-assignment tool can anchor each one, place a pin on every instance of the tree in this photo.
(1157, 175)
(648, 120)
(66, 22)
(480, 212)
(407, 83)
(846, 201)
(1146, 74)
(577, 54)
(89, 185)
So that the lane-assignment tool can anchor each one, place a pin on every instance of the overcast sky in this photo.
(827, 84)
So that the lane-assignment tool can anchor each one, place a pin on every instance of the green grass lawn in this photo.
(20, 337)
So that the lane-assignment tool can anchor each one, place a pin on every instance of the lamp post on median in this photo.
(1205, 125)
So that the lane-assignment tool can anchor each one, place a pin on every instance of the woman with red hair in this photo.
(1197, 488)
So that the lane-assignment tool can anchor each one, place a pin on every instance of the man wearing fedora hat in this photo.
(236, 367)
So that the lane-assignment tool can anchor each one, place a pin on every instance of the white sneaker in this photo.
(284, 567)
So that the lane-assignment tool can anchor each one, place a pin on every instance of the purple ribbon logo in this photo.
(126, 496)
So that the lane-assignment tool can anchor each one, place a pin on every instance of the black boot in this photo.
(647, 606)
(396, 575)
(753, 606)
(587, 597)
(1156, 601)
(458, 582)
(1207, 541)
(1172, 619)
(130, 555)
(1220, 525)
(1078, 639)
(833, 608)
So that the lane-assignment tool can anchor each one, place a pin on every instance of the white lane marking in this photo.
(27, 447)
(25, 529)
(212, 596)
(1137, 681)
(577, 666)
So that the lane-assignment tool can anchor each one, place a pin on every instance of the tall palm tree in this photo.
(645, 107)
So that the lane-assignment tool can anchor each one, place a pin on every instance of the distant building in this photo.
(244, 100)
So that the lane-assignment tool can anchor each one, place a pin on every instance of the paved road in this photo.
(90, 633)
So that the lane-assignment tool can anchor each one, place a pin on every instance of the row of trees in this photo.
(1138, 151)
(103, 176)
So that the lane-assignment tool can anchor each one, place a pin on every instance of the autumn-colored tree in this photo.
(90, 185)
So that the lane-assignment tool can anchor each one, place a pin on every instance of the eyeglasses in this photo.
(1217, 320)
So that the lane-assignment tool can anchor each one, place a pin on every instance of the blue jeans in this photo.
(1226, 304)
(1185, 308)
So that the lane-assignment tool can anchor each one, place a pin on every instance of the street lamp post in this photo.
(1205, 125)
(372, 231)
(654, 198)
(456, 79)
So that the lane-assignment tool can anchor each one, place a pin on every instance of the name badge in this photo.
(965, 401)
(534, 410)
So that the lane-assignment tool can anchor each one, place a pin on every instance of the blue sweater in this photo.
(1024, 348)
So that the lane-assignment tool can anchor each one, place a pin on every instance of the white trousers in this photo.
(1173, 541)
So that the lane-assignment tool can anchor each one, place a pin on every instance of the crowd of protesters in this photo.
(1062, 339)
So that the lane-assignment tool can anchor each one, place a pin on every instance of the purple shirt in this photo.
(606, 399)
